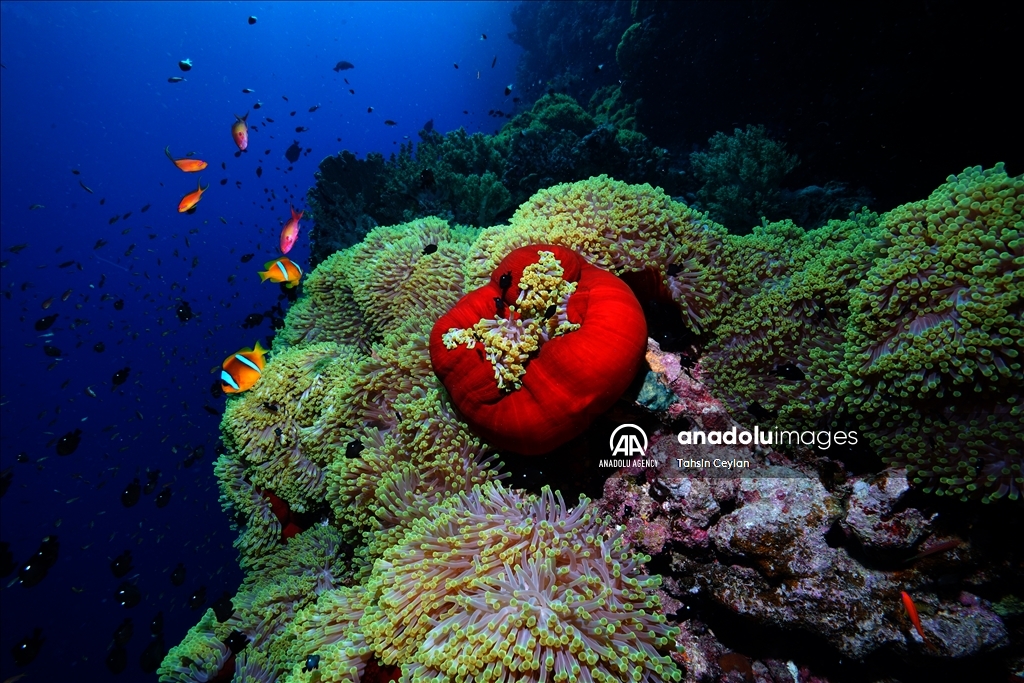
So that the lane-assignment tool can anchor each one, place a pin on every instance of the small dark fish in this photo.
(369, 110)
(598, 68)
(427, 180)
(456, 66)
(198, 599)
(389, 122)
(76, 171)
(113, 220)
(152, 477)
(247, 90)
(353, 92)
(223, 166)
(66, 295)
(285, 98)
(130, 495)
(153, 655)
(40, 206)
(117, 658)
(52, 351)
(17, 248)
(124, 632)
(68, 443)
(145, 208)
(344, 66)
(211, 410)
(301, 129)
(175, 79)
(163, 498)
(483, 36)
(252, 320)
(223, 220)
(789, 371)
(312, 663)
(184, 312)
(429, 125)
(236, 642)
(259, 171)
(26, 649)
(505, 281)
(216, 390)
(314, 108)
(122, 564)
(185, 65)
(257, 105)
(247, 257)
(508, 90)
(99, 347)
(45, 323)
(127, 595)
(119, 305)
(293, 152)
(178, 575)
(66, 264)
(121, 376)
(222, 608)
(126, 216)
(102, 201)
(224, 181)
(252, 20)
(270, 120)
(494, 61)
(38, 566)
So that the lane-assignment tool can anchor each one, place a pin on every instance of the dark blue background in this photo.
(85, 87)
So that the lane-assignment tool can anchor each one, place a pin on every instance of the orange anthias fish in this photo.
(242, 370)
(915, 618)
(189, 201)
(281, 270)
(290, 232)
(187, 165)
(240, 131)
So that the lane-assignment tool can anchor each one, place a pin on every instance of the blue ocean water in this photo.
(86, 103)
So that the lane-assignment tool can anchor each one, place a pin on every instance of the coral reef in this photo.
(741, 175)
(379, 541)
(477, 179)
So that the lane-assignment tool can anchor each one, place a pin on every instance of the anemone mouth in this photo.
(518, 330)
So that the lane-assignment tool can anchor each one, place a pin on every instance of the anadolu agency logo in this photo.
(628, 446)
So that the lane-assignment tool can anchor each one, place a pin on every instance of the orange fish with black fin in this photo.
(240, 131)
(189, 201)
(242, 370)
(290, 232)
(282, 270)
(187, 165)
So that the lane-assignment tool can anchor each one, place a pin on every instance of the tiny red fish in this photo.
(290, 232)
(915, 619)
(240, 131)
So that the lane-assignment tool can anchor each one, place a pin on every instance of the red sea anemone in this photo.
(531, 358)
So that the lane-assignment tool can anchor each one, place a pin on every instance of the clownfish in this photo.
(290, 232)
(186, 165)
(281, 270)
(240, 131)
(189, 201)
(242, 370)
